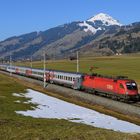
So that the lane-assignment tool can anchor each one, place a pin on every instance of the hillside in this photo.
(125, 40)
(99, 35)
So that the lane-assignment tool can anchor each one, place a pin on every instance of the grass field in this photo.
(17, 127)
(112, 66)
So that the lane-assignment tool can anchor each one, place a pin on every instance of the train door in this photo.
(28, 72)
(121, 88)
(47, 76)
(51, 76)
(77, 83)
(17, 70)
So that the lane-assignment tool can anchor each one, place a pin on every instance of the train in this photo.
(118, 88)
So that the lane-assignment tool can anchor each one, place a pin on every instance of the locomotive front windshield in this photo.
(131, 86)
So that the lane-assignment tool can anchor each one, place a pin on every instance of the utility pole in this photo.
(44, 69)
(77, 61)
(31, 62)
(10, 64)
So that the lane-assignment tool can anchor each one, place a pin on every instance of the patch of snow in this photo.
(18, 94)
(50, 107)
(26, 102)
(18, 101)
(106, 19)
(88, 27)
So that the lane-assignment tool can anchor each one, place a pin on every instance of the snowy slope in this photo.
(50, 107)
(89, 27)
(99, 22)
(105, 19)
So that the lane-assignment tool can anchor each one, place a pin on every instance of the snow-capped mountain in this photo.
(99, 22)
(101, 32)
(105, 19)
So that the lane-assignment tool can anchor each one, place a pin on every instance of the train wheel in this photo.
(95, 92)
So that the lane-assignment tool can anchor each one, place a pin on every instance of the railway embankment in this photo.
(101, 104)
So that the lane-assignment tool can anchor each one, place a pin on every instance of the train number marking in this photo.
(110, 87)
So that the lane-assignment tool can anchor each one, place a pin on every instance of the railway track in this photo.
(137, 104)
(133, 103)
(125, 108)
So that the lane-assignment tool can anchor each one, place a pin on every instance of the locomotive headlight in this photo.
(133, 84)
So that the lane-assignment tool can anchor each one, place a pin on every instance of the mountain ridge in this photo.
(63, 40)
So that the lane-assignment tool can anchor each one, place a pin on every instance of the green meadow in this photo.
(18, 127)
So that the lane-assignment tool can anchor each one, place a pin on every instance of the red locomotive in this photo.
(118, 88)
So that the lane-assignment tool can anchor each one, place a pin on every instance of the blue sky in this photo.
(24, 16)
